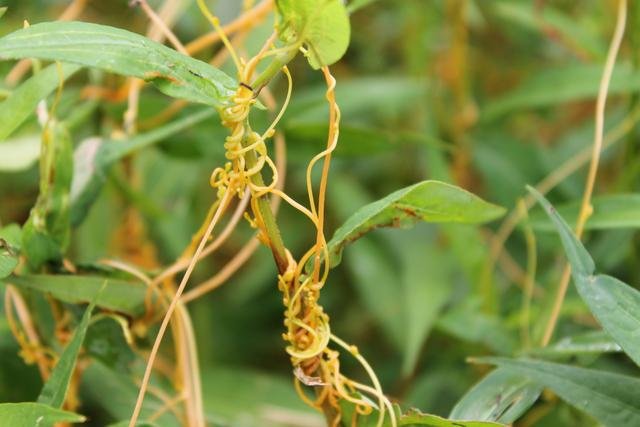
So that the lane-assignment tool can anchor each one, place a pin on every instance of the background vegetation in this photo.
(490, 96)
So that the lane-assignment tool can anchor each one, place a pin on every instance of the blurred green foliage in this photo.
(490, 96)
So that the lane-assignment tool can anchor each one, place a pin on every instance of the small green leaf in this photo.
(94, 157)
(3, 10)
(322, 25)
(55, 389)
(22, 102)
(30, 414)
(502, 396)
(118, 295)
(612, 399)
(430, 201)
(615, 304)
(47, 231)
(121, 52)
(609, 212)
(416, 418)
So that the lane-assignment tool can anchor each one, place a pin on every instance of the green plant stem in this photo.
(271, 228)
(279, 61)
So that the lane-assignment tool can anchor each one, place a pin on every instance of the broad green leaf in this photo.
(612, 399)
(594, 342)
(321, 25)
(30, 414)
(430, 201)
(609, 212)
(94, 157)
(3, 10)
(47, 231)
(22, 102)
(121, 52)
(558, 85)
(18, 154)
(502, 396)
(615, 304)
(55, 389)
(416, 418)
(118, 295)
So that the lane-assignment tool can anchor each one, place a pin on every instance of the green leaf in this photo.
(121, 52)
(18, 154)
(580, 260)
(554, 86)
(430, 201)
(612, 399)
(609, 212)
(47, 231)
(416, 418)
(94, 157)
(30, 414)
(118, 295)
(22, 102)
(3, 10)
(615, 304)
(322, 25)
(55, 389)
(466, 321)
(502, 396)
(594, 342)
(579, 36)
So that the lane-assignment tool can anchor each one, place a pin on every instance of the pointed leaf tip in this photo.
(581, 262)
